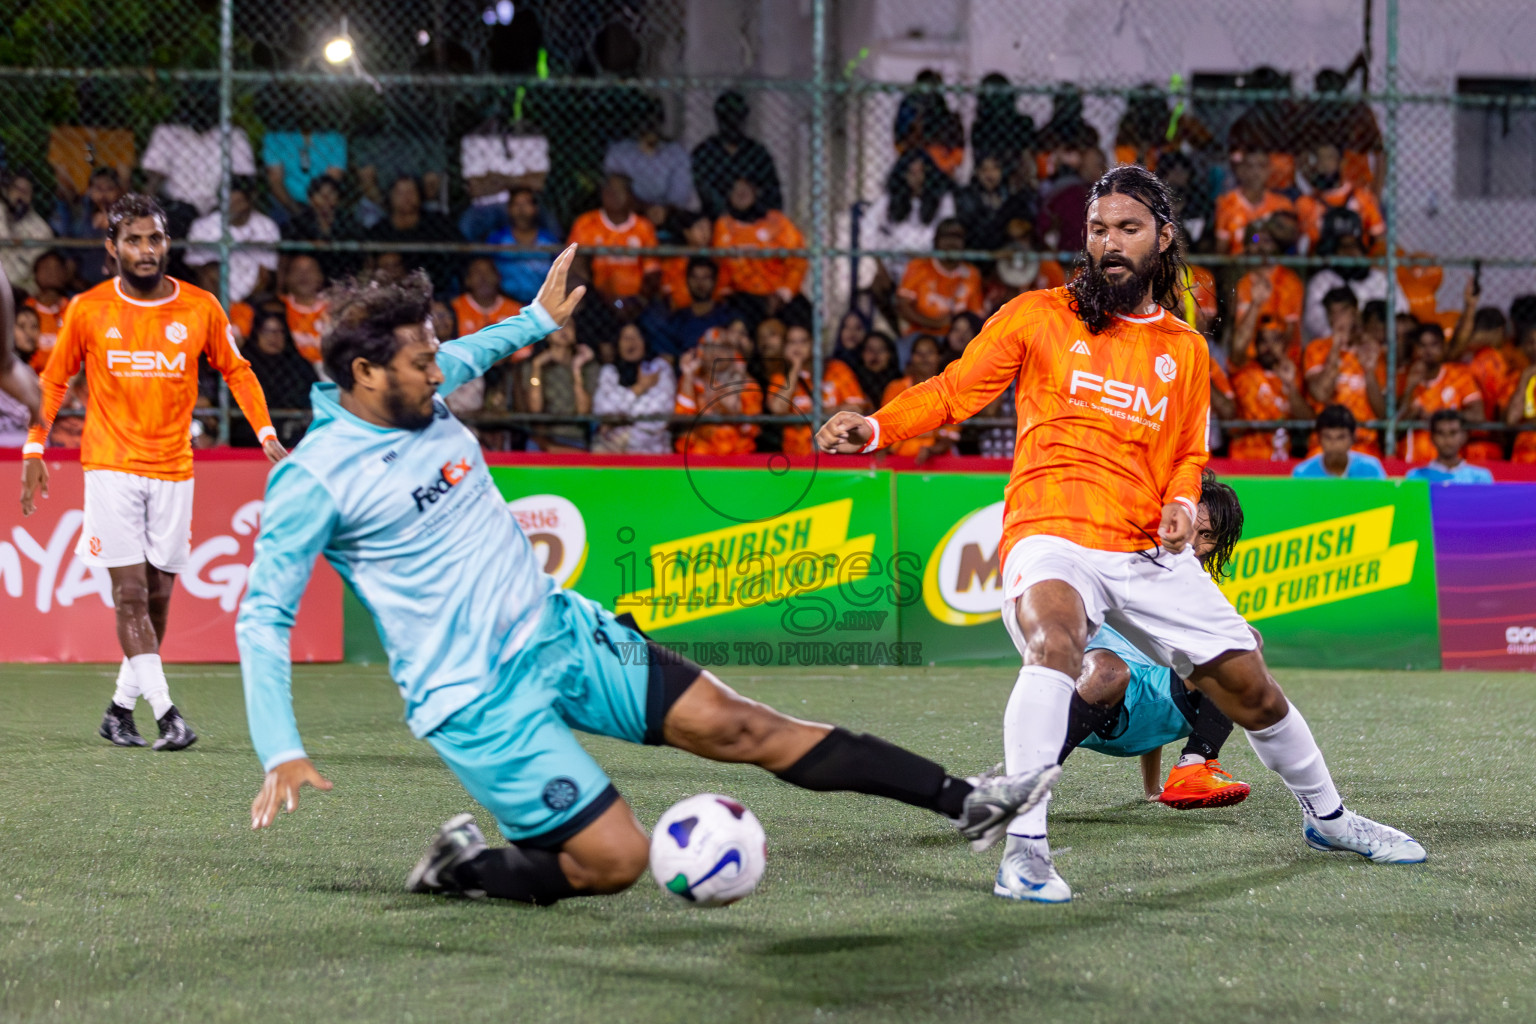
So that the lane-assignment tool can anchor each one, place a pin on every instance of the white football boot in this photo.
(1028, 874)
(1353, 833)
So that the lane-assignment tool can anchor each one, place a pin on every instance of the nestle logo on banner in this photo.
(447, 478)
(1521, 639)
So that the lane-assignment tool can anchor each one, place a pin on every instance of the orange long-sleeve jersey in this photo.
(141, 361)
(760, 275)
(1112, 426)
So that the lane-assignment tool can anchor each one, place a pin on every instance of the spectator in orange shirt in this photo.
(1522, 400)
(1321, 165)
(305, 308)
(697, 230)
(51, 272)
(1346, 368)
(840, 390)
(760, 285)
(923, 364)
(1267, 389)
(933, 290)
(713, 381)
(483, 303)
(1277, 290)
(1251, 200)
(1481, 341)
(623, 283)
(1432, 384)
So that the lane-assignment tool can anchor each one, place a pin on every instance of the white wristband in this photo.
(874, 441)
(30, 449)
(266, 434)
(1189, 507)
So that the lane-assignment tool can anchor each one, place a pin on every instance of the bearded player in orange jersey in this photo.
(139, 336)
(1113, 399)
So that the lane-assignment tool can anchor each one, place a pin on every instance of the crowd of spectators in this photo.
(731, 337)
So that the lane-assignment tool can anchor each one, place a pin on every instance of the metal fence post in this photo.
(226, 86)
(818, 202)
(1389, 201)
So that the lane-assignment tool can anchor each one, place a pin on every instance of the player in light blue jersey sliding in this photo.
(497, 664)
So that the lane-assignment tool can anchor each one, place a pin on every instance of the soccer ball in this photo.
(708, 850)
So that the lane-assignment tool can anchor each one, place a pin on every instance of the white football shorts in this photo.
(131, 519)
(1169, 608)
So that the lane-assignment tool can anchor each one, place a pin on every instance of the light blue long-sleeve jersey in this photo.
(412, 520)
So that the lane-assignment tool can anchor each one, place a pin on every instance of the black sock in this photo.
(868, 764)
(516, 873)
(1084, 719)
(1211, 729)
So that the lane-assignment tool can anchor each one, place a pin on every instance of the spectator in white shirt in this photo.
(1343, 235)
(18, 219)
(182, 163)
(637, 383)
(251, 271)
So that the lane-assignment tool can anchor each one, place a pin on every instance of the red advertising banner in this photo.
(53, 607)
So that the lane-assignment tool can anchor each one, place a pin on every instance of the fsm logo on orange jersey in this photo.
(448, 476)
(1118, 394)
(144, 363)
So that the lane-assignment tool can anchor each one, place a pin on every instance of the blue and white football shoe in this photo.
(1352, 833)
(1028, 874)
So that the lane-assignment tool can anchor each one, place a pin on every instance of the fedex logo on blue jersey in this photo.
(447, 478)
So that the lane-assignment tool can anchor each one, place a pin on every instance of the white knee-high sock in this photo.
(1034, 728)
(1287, 748)
(152, 685)
(127, 693)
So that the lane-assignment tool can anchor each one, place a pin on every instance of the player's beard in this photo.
(402, 416)
(146, 285)
(1126, 296)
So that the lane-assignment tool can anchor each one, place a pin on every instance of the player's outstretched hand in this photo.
(552, 294)
(846, 433)
(1176, 528)
(274, 449)
(34, 478)
(281, 789)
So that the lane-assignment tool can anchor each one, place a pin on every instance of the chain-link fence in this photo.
(877, 175)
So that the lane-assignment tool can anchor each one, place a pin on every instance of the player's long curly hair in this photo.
(364, 313)
(1226, 515)
(1094, 299)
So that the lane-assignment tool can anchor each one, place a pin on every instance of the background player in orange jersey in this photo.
(139, 336)
(1113, 400)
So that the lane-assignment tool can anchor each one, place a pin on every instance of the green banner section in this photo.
(834, 567)
(728, 566)
(1336, 574)
(949, 525)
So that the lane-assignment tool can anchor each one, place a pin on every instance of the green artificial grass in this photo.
(132, 888)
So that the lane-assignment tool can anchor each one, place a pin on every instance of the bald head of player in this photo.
(138, 240)
(1132, 255)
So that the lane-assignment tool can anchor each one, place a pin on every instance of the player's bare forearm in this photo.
(1152, 773)
(280, 789)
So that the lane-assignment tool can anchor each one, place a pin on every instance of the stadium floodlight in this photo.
(339, 52)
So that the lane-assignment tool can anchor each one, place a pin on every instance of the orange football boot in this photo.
(1202, 785)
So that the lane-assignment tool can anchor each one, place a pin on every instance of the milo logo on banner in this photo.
(963, 582)
(1318, 564)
